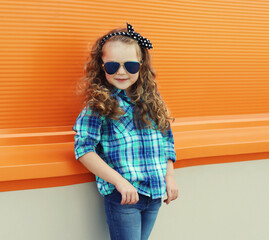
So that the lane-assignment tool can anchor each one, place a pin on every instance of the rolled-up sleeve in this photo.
(87, 128)
(169, 145)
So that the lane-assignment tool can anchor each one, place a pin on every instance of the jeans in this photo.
(130, 221)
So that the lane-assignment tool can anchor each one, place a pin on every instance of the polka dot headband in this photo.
(143, 42)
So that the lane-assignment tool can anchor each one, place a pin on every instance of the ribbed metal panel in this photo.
(211, 57)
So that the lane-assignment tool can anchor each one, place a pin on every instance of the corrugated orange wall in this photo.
(211, 57)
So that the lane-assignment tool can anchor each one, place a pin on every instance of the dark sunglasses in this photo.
(112, 67)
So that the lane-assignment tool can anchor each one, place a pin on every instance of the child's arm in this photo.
(99, 167)
(171, 186)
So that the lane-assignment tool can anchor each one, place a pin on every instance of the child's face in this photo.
(121, 52)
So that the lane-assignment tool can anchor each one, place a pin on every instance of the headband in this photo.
(143, 42)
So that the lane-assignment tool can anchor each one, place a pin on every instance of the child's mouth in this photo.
(121, 79)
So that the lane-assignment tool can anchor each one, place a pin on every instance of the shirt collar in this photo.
(121, 93)
(115, 91)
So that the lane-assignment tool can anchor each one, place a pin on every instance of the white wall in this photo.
(217, 202)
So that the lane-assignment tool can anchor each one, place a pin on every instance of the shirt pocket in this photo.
(123, 126)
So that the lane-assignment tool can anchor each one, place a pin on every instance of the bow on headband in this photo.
(143, 42)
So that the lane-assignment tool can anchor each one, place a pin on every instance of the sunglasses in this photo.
(130, 66)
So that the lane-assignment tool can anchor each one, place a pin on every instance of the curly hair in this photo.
(143, 93)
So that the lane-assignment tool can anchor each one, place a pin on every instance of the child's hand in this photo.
(128, 192)
(171, 189)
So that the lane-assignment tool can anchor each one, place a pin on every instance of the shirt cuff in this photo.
(80, 151)
(171, 156)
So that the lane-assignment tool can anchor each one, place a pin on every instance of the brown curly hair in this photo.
(144, 92)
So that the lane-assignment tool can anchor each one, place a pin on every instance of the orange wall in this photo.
(211, 57)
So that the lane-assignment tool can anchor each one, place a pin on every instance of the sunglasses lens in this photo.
(132, 67)
(111, 67)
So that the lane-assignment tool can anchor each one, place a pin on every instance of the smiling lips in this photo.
(121, 79)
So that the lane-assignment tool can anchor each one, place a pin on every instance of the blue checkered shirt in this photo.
(139, 155)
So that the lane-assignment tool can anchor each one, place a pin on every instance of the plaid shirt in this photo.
(139, 155)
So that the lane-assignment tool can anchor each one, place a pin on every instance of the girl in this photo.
(123, 134)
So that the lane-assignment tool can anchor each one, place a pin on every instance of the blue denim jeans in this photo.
(130, 221)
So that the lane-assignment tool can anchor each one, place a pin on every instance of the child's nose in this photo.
(121, 70)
